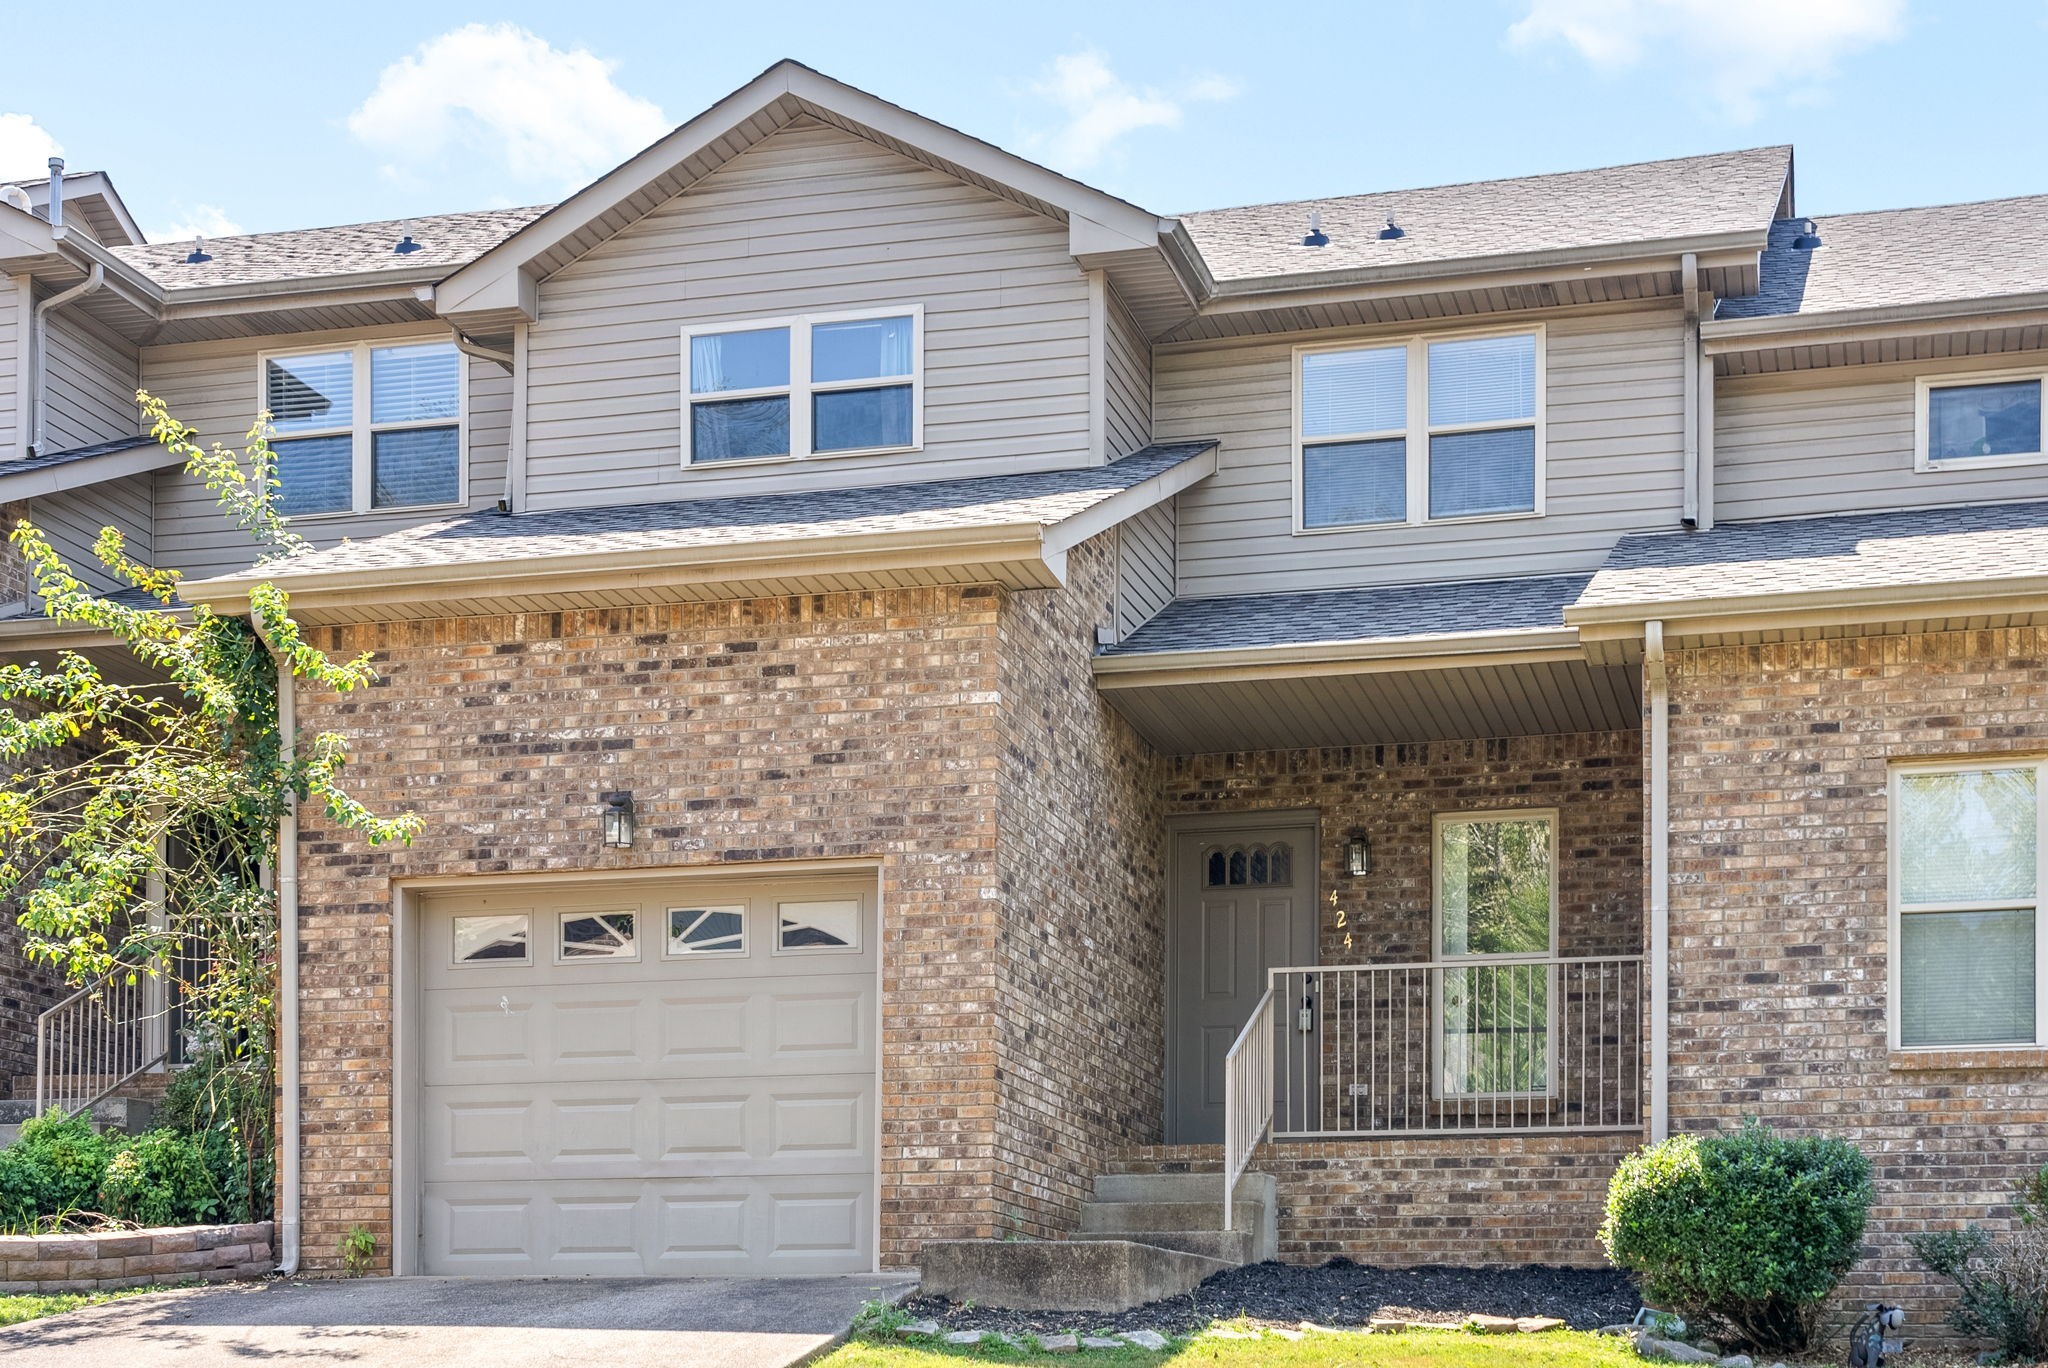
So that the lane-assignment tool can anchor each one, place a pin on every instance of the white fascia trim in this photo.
(1731, 335)
(115, 465)
(1369, 655)
(1695, 614)
(1063, 536)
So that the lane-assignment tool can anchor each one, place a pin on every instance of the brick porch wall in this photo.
(1471, 1203)
(25, 989)
(1082, 1043)
(779, 729)
(1778, 918)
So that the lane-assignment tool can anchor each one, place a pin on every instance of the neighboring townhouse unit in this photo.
(929, 684)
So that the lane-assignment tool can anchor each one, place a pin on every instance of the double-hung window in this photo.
(1420, 430)
(820, 385)
(1979, 420)
(367, 427)
(1967, 964)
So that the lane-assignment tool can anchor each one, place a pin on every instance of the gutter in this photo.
(287, 887)
(1684, 615)
(1658, 760)
(1365, 655)
(1727, 335)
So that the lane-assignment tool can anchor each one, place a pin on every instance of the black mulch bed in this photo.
(1340, 1293)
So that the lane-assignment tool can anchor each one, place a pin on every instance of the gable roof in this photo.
(1007, 528)
(445, 241)
(89, 198)
(1684, 198)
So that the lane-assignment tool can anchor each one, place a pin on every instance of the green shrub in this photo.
(158, 1178)
(224, 1104)
(55, 1165)
(2004, 1283)
(1745, 1228)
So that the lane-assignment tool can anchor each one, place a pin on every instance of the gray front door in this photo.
(1244, 902)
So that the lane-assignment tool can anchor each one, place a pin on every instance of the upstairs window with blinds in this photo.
(1420, 431)
(366, 428)
(1967, 954)
(820, 385)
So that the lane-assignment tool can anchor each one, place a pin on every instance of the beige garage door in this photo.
(669, 1080)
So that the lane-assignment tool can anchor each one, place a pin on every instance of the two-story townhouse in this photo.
(930, 684)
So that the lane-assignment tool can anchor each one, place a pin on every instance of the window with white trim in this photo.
(1968, 421)
(368, 427)
(1421, 430)
(1967, 951)
(818, 385)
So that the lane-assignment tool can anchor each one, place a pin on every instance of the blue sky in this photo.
(222, 117)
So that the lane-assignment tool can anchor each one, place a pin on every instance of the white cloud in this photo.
(1100, 110)
(1746, 50)
(549, 117)
(198, 221)
(25, 148)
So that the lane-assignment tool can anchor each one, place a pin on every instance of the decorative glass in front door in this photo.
(1496, 894)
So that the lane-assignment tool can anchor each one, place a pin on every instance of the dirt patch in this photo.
(1340, 1293)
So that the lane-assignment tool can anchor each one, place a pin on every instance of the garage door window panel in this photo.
(695, 931)
(497, 939)
(818, 927)
(597, 936)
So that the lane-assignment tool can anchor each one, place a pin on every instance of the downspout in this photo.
(509, 362)
(1659, 760)
(468, 346)
(287, 885)
(38, 343)
(1689, 272)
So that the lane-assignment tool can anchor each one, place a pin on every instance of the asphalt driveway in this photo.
(459, 1323)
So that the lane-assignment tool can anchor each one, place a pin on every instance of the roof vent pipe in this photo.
(1316, 236)
(198, 254)
(56, 192)
(1392, 231)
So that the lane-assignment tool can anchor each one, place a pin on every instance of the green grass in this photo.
(1413, 1349)
(34, 1306)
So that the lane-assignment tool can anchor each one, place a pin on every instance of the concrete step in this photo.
(1061, 1275)
(1108, 1218)
(1233, 1247)
(1182, 1187)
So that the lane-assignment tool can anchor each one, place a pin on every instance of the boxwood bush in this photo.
(1746, 1228)
(53, 1168)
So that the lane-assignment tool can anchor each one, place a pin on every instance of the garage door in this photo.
(671, 1080)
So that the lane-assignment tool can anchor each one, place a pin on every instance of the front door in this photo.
(1243, 902)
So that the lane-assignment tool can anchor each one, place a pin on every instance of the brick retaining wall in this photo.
(134, 1258)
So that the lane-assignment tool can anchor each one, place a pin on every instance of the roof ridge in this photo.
(1919, 208)
(339, 227)
(1495, 180)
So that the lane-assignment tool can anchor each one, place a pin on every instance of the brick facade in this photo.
(1779, 834)
(887, 726)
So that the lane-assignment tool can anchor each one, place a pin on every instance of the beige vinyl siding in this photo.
(813, 220)
(13, 366)
(1839, 442)
(1128, 376)
(1614, 463)
(214, 387)
(73, 520)
(91, 378)
(1144, 567)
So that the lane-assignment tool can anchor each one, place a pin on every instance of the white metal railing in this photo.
(1456, 1047)
(1247, 1096)
(100, 1037)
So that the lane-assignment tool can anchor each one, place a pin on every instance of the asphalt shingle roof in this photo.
(1902, 256)
(448, 240)
(488, 538)
(1863, 551)
(28, 465)
(1647, 201)
(1386, 613)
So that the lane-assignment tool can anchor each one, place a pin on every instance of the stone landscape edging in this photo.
(111, 1260)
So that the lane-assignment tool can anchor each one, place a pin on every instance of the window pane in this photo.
(412, 384)
(739, 360)
(706, 930)
(847, 420)
(1473, 473)
(1354, 391)
(819, 925)
(1493, 886)
(737, 429)
(310, 393)
(1966, 978)
(480, 939)
(1354, 482)
(1984, 420)
(1486, 380)
(598, 936)
(865, 349)
(314, 475)
(1967, 836)
(415, 466)
(1495, 1033)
